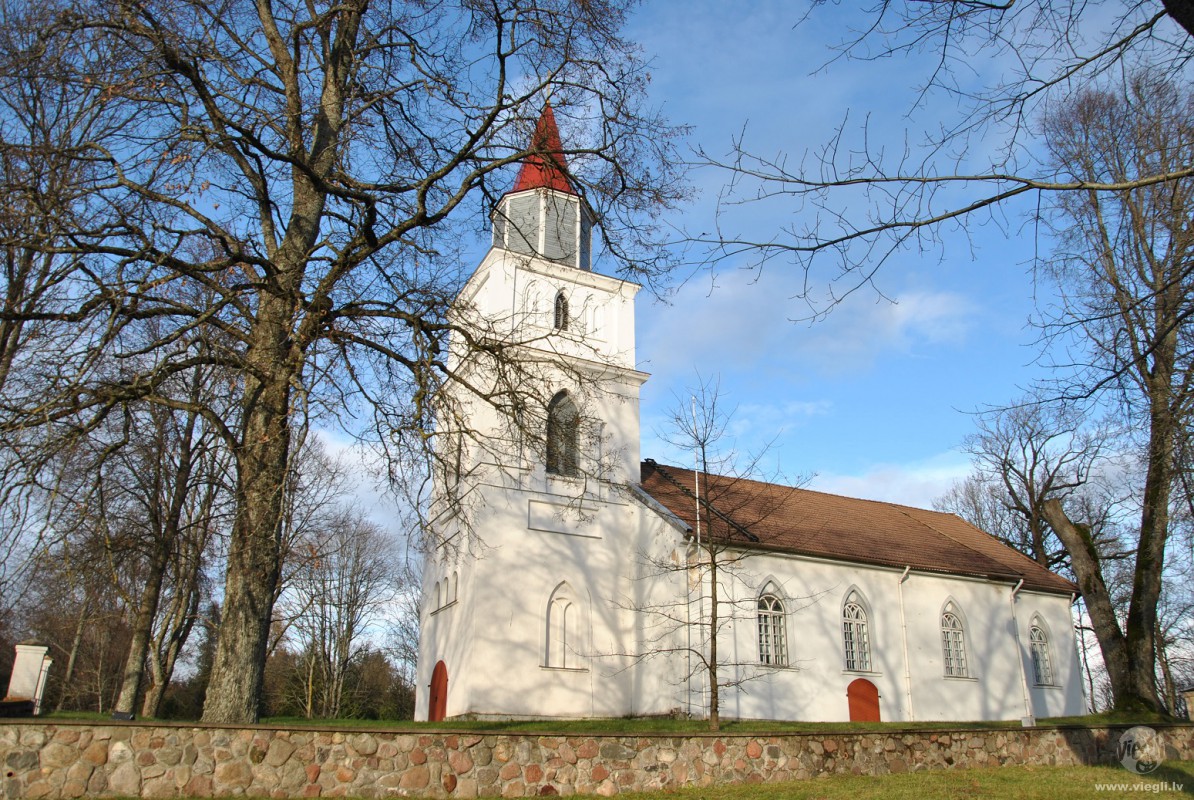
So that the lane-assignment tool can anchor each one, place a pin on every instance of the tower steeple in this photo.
(545, 168)
(543, 215)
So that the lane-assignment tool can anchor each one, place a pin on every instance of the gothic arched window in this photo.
(563, 435)
(773, 645)
(855, 635)
(564, 637)
(1038, 643)
(953, 643)
(561, 312)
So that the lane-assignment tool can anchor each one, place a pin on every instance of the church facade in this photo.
(574, 580)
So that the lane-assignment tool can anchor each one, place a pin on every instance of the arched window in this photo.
(557, 632)
(855, 635)
(532, 300)
(773, 645)
(561, 317)
(1038, 643)
(563, 642)
(953, 643)
(563, 434)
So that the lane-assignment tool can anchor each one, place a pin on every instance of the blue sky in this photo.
(875, 399)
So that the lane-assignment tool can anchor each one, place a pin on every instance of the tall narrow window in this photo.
(855, 636)
(563, 434)
(557, 633)
(773, 645)
(1042, 669)
(561, 317)
(564, 637)
(953, 643)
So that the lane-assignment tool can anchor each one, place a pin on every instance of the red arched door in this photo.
(437, 703)
(863, 698)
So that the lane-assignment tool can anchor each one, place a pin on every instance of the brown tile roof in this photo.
(774, 517)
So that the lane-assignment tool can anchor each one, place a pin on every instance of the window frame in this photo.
(561, 315)
(856, 635)
(1038, 649)
(565, 633)
(772, 628)
(954, 659)
(562, 456)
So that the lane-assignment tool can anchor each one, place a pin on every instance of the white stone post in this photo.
(29, 672)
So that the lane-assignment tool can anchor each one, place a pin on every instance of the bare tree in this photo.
(861, 197)
(173, 472)
(343, 587)
(312, 168)
(727, 500)
(1125, 274)
(72, 606)
(1024, 455)
(1120, 339)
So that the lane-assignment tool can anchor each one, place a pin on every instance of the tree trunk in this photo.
(1125, 683)
(1181, 12)
(176, 631)
(73, 657)
(142, 630)
(1154, 531)
(254, 551)
(714, 694)
(1168, 685)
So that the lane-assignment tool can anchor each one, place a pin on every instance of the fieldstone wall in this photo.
(67, 760)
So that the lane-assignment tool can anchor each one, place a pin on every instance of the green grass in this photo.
(667, 725)
(655, 725)
(995, 783)
(663, 725)
(94, 716)
(1023, 783)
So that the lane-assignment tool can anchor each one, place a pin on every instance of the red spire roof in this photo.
(545, 168)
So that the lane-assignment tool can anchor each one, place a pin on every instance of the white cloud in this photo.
(916, 483)
(741, 321)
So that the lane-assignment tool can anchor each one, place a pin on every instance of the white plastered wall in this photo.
(915, 687)
(533, 532)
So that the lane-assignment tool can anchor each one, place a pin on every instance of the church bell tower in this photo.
(547, 401)
(542, 215)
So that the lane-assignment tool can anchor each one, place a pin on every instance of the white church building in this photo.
(573, 580)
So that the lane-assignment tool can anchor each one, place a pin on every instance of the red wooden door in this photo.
(437, 703)
(863, 698)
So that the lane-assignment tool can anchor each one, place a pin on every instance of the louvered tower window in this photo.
(563, 436)
(561, 312)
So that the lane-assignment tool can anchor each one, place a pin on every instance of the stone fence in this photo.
(68, 759)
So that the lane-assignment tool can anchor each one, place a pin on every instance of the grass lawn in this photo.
(660, 725)
(1022, 783)
(1172, 779)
